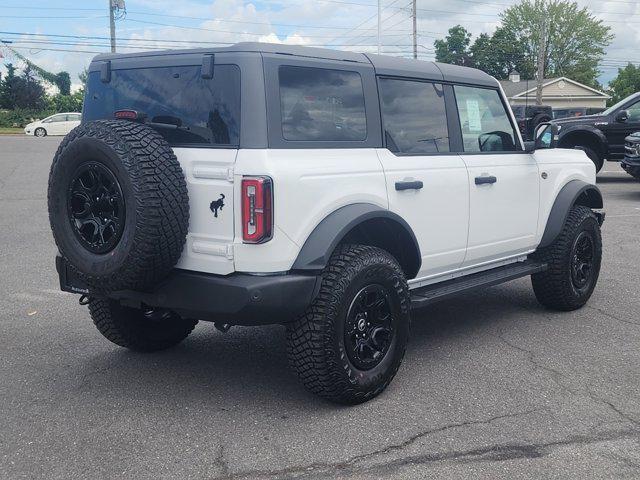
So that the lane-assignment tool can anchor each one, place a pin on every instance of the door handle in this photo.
(486, 179)
(410, 185)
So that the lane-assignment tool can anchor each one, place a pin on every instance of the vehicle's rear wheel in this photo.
(574, 263)
(145, 330)
(118, 205)
(40, 132)
(349, 345)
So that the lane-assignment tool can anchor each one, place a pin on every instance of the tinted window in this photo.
(414, 116)
(484, 121)
(318, 104)
(181, 105)
(634, 112)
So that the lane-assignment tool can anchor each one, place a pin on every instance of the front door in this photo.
(426, 184)
(503, 179)
(616, 131)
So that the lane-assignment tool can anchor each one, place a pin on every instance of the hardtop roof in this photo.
(383, 64)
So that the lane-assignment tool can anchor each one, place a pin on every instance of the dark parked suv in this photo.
(602, 136)
(631, 160)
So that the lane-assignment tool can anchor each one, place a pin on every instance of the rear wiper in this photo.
(159, 121)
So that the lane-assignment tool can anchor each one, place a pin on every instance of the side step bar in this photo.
(423, 296)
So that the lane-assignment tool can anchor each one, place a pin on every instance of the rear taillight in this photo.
(257, 209)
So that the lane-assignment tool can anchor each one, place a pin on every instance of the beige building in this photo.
(561, 92)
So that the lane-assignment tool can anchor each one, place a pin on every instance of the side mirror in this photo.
(622, 116)
(545, 135)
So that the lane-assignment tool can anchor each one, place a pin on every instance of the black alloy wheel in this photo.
(369, 327)
(96, 207)
(582, 258)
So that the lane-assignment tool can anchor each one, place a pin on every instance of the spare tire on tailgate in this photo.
(118, 205)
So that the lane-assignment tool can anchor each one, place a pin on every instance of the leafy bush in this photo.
(19, 117)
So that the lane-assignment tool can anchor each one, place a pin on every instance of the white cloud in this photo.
(231, 21)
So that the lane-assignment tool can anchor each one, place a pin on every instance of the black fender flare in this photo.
(588, 129)
(325, 237)
(574, 192)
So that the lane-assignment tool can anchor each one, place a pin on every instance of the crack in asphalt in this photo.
(556, 377)
(346, 465)
(489, 453)
(612, 316)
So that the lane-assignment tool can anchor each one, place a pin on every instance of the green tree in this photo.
(500, 54)
(29, 92)
(626, 83)
(575, 39)
(454, 48)
(66, 103)
(62, 80)
(8, 88)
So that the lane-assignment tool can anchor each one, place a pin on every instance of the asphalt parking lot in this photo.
(492, 386)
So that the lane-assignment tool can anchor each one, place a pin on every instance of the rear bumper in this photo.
(236, 299)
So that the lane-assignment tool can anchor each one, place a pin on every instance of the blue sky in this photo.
(346, 24)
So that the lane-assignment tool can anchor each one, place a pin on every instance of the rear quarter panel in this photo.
(308, 185)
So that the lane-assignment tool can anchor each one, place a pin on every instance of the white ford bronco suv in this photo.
(329, 191)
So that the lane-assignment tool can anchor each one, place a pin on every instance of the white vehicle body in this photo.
(329, 191)
(58, 124)
(460, 227)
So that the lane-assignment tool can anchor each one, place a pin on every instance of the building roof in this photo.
(527, 88)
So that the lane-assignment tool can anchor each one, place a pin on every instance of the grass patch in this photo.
(10, 130)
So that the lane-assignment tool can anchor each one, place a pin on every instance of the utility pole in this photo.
(112, 24)
(542, 46)
(379, 26)
(415, 29)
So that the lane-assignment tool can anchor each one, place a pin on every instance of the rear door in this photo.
(55, 125)
(503, 179)
(198, 113)
(73, 120)
(427, 184)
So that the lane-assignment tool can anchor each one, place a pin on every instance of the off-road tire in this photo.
(156, 204)
(132, 329)
(316, 341)
(554, 287)
(633, 171)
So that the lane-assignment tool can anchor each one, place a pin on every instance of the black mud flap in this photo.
(69, 282)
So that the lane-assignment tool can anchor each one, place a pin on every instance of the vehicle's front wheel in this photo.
(593, 156)
(574, 263)
(145, 330)
(349, 344)
(40, 132)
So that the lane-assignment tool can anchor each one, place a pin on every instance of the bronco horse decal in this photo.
(217, 205)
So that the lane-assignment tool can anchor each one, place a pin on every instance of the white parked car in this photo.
(330, 191)
(58, 124)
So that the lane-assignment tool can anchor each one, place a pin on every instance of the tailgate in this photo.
(209, 175)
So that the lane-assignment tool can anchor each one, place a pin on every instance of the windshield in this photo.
(176, 101)
(612, 109)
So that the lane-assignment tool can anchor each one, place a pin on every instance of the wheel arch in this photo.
(575, 192)
(584, 136)
(361, 223)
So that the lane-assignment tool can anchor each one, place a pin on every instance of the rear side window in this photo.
(182, 106)
(320, 104)
(414, 116)
(484, 121)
